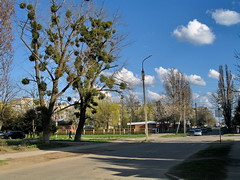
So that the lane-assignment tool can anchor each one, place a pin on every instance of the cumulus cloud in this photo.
(226, 17)
(203, 100)
(149, 80)
(194, 79)
(213, 74)
(195, 32)
(152, 96)
(128, 77)
(132, 80)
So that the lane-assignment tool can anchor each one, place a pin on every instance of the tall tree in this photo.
(225, 94)
(98, 54)
(6, 54)
(52, 49)
(179, 93)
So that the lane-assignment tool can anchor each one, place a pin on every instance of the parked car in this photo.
(1, 134)
(14, 135)
(191, 131)
(204, 130)
(197, 132)
(209, 129)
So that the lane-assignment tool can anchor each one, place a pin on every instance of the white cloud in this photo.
(152, 96)
(149, 80)
(128, 77)
(195, 33)
(132, 80)
(194, 79)
(213, 74)
(161, 72)
(203, 100)
(226, 17)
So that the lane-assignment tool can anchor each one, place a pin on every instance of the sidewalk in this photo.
(234, 165)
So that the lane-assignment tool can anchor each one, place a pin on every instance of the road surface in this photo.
(132, 160)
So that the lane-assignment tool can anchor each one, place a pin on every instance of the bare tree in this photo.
(225, 94)
(6, 54)
(179, 94)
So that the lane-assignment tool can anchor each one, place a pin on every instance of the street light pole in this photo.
(144, 98)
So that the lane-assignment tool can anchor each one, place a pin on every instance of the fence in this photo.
(106, 131)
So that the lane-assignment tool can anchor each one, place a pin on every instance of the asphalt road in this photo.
(122, 161)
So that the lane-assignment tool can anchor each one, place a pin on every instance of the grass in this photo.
(174, 135)
(209, 163)
(3, 162)
(12, 145)
(104, 136)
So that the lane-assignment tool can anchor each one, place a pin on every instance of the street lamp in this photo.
(144, 98)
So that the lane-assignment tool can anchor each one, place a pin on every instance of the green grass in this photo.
(174, 135)
(3, 162)
(104, 136)
(209, 163)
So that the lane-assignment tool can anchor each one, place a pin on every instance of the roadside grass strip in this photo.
(3, 162)
(173, 135)
(209, 163)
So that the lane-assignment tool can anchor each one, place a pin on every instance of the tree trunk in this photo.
(81, 123)
(46, 130)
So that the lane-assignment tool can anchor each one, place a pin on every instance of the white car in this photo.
(197, 132)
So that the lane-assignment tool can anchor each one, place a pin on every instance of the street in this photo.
(132, 160)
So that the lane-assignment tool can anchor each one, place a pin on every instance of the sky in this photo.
(192, 36)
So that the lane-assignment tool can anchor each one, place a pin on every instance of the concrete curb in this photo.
(172, 177)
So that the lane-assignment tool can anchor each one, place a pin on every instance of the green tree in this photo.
(107, 114)
(52, 51)
(96, 56)
(205, 117)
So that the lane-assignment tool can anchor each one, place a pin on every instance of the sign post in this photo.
(218, 114)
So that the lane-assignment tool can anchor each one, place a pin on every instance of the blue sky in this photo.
(190, 35)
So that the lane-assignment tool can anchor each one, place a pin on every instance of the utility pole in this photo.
(144, 98)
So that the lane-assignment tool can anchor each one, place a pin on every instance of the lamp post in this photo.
(144, 98)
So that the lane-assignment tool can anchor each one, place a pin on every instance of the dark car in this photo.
(1, 134)
(14, 135)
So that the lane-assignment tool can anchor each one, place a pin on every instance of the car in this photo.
(209, 129)
(1, 134)
(14, 135)
(191, 131)
(197, 132)
(204, 130)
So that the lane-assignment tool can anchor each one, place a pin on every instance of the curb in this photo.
(172, 177)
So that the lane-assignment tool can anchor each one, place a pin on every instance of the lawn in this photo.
(16, 145)
(106, 137)
(174, 135)
(209, 163)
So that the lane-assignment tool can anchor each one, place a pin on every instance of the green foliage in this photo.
(123, 86)
(68, 14)
(25, 81)
(43, 86)
(30, 7)
(69, 99)
(54, 8)
(31, 15)
(22, 5)
(42, 66)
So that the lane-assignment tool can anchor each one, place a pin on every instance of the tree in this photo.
(179, 95)
(97, 55)
(6, 54)
(225, 95)
(107, 114)
(52, 49)
(133, 106)
(205, 117)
